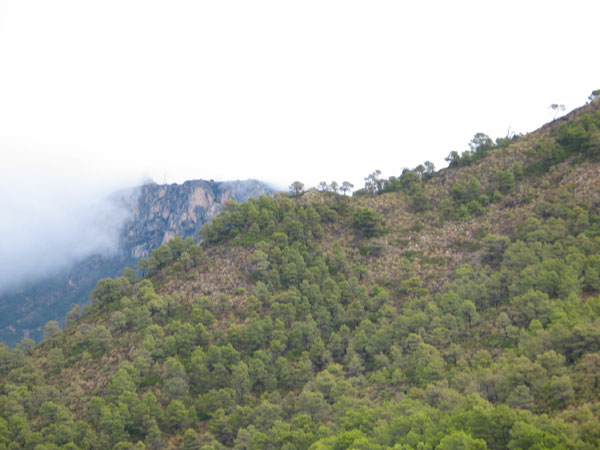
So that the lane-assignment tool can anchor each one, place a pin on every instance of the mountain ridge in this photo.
(433, 310)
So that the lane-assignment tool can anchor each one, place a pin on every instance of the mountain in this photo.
(156, 213)
(457, 309)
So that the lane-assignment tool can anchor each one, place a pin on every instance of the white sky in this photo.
(94, 92)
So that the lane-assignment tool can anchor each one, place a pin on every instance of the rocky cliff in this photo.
(161, 212)
(156, 214)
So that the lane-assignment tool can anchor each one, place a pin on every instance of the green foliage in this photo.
(577, 137)
(283, 331)
(467, 199)
(368, 222)
(52, 330)
(268, 219)
(296, 188)
(185, 254)
(504, 181)
(411, 182)
(479, 147)
(109, 291)
(56, 360)
(581, 135)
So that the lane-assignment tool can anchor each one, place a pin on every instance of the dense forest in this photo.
(457, 309)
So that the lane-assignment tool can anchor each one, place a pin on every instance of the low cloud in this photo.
(51, 222)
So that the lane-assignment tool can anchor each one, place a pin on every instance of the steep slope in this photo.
(156, 214)
(457, 309)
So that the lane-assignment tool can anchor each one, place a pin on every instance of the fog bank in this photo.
(52, 221)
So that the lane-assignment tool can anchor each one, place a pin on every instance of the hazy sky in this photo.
(96, 95)
(279, 90)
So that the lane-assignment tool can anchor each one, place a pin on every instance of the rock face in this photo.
(162, 212)
(157, 213)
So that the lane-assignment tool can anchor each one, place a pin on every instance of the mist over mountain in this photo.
(48, 224)
(60, 241)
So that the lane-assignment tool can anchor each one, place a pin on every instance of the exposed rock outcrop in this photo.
(161, 212)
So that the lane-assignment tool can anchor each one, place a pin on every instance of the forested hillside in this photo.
(457, 309)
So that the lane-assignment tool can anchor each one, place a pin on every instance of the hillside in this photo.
(457, 309)
(155, 213)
